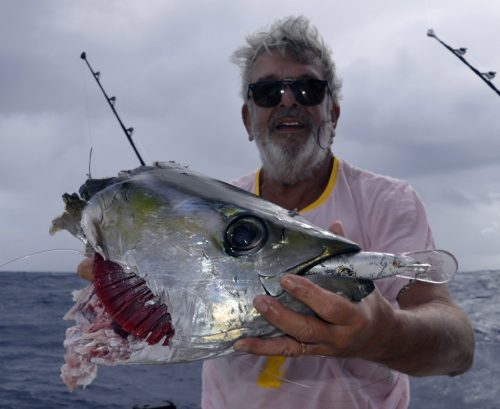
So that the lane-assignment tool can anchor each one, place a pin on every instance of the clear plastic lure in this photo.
(432, 266)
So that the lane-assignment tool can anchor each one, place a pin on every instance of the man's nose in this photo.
(287, 97)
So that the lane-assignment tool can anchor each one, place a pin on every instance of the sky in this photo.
(409, 108)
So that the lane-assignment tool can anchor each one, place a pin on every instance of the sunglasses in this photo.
(308, 92)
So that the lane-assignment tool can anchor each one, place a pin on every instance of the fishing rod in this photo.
(111, 102)
(459, 53)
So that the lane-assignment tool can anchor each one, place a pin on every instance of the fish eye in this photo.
(244, 235)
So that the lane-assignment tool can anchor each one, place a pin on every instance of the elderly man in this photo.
(352, 355)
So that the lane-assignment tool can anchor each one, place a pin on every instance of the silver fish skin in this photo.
(204, 249)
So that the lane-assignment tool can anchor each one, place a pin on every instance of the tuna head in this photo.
(182, 256)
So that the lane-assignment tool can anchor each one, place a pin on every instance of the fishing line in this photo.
(89, 175)
(37, 253)
(88, 134)
(331, 137)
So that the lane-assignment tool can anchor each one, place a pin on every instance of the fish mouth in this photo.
(271, 282)
(132, 305)
(116, 317)
(353, 288)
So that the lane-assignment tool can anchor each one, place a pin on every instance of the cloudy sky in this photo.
(410, 109)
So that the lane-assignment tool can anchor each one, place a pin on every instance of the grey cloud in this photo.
(409, 110)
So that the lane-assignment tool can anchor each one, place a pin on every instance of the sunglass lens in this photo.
(309, 92)
(267, 94)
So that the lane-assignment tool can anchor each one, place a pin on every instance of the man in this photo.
(352, 355)
(291, 109)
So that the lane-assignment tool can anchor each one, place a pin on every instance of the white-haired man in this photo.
(352, 355)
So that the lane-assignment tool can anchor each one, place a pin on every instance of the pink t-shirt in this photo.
(380, 214)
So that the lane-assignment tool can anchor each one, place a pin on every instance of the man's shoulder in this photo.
(246, 182)
(371, 181)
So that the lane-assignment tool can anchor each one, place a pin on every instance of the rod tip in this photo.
(83, 56)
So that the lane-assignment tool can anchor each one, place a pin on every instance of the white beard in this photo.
(293, 163)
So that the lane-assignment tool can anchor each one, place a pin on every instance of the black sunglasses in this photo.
(308, 92)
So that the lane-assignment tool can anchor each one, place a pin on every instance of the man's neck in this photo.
(301, 194)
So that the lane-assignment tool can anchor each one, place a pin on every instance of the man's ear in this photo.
(245, 115)
(335, 114)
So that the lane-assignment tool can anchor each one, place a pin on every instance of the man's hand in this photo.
(414, 339)
(337, 228)
(341, 328)
(84, 269)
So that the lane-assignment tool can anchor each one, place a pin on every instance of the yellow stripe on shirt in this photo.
(272, 373)
(322, 198)
(328, 189)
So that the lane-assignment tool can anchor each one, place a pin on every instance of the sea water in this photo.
(31, 353)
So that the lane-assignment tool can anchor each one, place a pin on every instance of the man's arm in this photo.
(434, 325)
(429, 335)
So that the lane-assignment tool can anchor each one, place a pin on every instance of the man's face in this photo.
(293, 139)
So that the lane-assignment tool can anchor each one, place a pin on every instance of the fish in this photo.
(179, 257)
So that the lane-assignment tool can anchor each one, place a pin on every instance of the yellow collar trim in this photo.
(332, 181)
(257, 182)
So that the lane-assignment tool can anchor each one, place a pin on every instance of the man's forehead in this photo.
(273, 65)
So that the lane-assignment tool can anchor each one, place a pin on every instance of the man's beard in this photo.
(293, 162)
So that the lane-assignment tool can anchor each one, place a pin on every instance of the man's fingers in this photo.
(337, 228)
(335, 312)
(84, 269)
(284, 346)
(303, 327)
(331, 307)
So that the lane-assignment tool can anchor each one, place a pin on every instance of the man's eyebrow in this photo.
(274, 77)
(269, 77)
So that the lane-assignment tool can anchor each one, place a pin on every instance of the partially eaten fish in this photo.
(179, 257)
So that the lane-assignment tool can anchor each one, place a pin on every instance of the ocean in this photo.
(31, 354)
